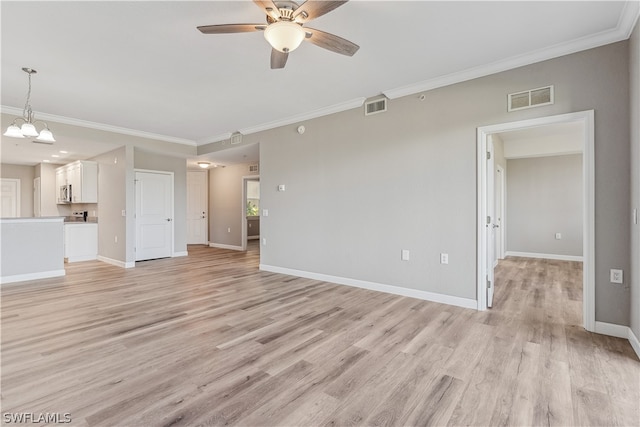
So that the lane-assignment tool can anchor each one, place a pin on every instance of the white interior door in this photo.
(10, 198)
(197, 209)
(154, 215)
(490, 224)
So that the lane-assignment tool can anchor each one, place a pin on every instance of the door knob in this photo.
(168, 219)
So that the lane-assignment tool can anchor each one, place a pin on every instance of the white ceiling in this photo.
(141, 67)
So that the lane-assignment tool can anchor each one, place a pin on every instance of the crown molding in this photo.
(214, 139)
(336, 108)
(99, 126)
(623, 30)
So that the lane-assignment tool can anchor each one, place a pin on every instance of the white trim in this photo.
(99, 126)
(320, 112)
(31, 276)
(181, 253)
(116, 262)
(622, 32)
(213, 139)
(588, 159)
(223, 246)
(611, 329)
(545, 256)
(379, 287)
(635, 343)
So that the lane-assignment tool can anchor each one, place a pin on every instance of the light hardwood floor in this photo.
(210, 340)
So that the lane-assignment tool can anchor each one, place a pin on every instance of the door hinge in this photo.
(488, 155)
(488, 283)
(488, 219)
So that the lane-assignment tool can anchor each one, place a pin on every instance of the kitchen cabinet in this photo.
(80, 241)
(82, 175)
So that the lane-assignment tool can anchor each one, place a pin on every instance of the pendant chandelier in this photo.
(28, 128)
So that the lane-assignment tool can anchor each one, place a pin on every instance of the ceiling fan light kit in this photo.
(28, 128)
(285, 31)
(284, 36)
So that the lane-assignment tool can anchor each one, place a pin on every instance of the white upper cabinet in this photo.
(82, 175)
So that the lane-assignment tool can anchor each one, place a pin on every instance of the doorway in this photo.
(154, 214)
(10, 198)
(197, 208)
(250, 209)
(486, 218)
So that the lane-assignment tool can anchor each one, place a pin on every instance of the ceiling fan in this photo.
(285, 31)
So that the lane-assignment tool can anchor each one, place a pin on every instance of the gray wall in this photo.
(634, 50)
(544, 197)
(112, 200)
(25, 174)
(157, 162)
(360, 189)
(225, 204)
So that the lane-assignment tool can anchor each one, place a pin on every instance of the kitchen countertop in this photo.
(79, 220)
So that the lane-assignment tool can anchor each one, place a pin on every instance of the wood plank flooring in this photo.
(210, 340)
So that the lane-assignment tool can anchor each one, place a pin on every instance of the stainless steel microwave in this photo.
(65, 193)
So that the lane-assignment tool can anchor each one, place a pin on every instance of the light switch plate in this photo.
(616, 276)
(405, 255)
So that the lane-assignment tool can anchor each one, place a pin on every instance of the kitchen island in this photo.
(31, 248)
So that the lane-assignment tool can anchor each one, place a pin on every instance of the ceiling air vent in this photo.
(236, 138)
(376, 106)
(530, 98)
(254, 168)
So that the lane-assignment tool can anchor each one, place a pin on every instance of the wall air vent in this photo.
(254, 168)
(236, 138)
(376, 106)
(530, 98)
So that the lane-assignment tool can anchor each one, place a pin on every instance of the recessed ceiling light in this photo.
(55, 155)
(47, 161)
(63, 152)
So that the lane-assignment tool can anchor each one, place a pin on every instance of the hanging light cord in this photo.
(27, 113)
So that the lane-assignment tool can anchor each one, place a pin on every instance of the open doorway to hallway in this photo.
(547, 209)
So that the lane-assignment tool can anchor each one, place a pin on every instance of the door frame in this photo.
(243, 214)
(502, 230)
(586, 118)
(173, 211)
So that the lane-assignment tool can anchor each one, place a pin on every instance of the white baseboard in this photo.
(32, 276)
(619, 331)
(221, 246)
(633, 340)
(390, 289)
(545, 256)
(182, 253)
(612, 330)
(116, 262)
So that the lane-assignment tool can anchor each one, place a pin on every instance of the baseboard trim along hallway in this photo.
(373, 286)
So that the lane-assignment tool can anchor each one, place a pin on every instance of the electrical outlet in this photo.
(404, 255)
(229, 230)
(558, 236)
(115, 239)
(264, 241)
(616, 276)
(444, 258)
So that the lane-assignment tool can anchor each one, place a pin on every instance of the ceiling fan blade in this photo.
(312, 9)
(268, 7)
(231, 28)
(278, 59)
(331, 42)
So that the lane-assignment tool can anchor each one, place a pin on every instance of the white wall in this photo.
(544, 197)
